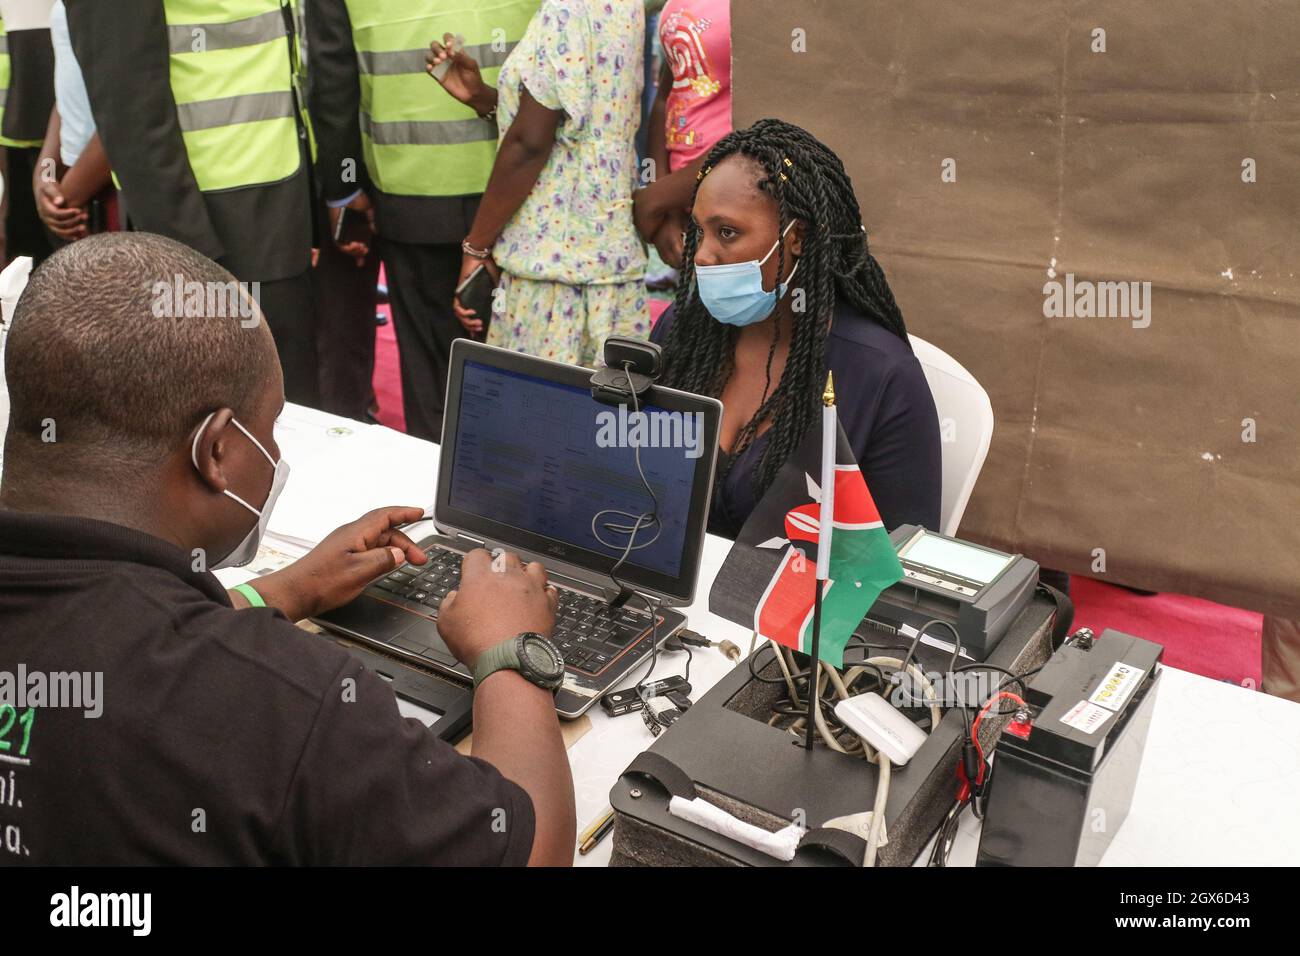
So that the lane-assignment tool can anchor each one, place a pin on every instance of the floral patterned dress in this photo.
(572, 264)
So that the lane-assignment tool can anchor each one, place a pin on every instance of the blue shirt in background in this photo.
(76, 124)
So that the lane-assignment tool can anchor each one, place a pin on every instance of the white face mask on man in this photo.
(246, 550)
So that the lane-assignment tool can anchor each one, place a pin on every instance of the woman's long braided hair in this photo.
(808, 182)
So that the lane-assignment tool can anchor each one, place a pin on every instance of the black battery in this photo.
(1061, 790)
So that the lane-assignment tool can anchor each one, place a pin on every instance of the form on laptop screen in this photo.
(545, 457)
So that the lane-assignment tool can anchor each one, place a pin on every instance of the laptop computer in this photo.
(532, 463)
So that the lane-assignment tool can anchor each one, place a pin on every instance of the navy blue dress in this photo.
(887, 412)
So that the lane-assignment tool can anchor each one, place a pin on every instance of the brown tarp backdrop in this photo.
(1122, 165)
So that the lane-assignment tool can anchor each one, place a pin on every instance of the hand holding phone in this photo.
(353, 232)
(475, 294)
(351, 227)
(439, 71)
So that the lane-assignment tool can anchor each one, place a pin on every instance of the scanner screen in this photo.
(956, 557)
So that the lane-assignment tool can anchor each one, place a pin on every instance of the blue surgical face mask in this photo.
(734, 294)
(246, 550)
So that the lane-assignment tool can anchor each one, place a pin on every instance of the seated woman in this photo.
(774, 201)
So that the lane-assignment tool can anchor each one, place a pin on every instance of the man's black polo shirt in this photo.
(225, 736)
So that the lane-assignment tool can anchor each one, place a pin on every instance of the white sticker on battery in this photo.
(1116, 687)
(1086, 717)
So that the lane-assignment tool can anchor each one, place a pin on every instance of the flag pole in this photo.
(826, 520)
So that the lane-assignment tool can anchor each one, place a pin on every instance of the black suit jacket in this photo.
(261, 233)
(334, 99)
(31, 85)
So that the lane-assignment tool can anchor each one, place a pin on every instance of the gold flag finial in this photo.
(828, 396)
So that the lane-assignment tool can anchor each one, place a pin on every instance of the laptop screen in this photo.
(535, 462)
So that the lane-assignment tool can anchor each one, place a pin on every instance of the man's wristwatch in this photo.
(532, 655)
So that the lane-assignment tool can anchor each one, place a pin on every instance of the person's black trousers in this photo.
(346, 297)
(421, 286)
(290, 313)
(25, 234)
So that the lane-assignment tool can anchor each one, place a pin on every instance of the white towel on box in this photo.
(780, 845)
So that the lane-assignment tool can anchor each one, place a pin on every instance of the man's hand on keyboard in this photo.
(496, 600)
(343, 564)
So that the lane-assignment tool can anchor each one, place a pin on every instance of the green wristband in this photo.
(248, 591)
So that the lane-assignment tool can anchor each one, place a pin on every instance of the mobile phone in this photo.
(351, 227)
(457, 44)
(476, 293)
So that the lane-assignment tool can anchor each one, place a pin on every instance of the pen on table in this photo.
(595, 831)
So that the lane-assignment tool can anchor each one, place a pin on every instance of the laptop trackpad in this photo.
(378, 620)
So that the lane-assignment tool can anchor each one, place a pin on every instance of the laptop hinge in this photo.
(477, 542)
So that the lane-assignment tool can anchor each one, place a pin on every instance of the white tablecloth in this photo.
(1222, 764)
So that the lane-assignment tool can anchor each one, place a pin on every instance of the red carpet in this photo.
(1199, 636)
(388, 375)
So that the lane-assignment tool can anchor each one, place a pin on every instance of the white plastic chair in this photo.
(965, 428)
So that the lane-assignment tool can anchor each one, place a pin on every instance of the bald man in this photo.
(140, 454)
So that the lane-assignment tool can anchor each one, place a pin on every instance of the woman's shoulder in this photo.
(852, 330)
(875, 362)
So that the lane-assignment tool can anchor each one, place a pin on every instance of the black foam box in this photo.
(722, 750)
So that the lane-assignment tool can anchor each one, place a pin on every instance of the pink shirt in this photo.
(696, 39)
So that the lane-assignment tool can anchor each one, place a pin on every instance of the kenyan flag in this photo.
(768, 580)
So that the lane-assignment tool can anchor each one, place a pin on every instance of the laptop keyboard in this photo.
(588, 632)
